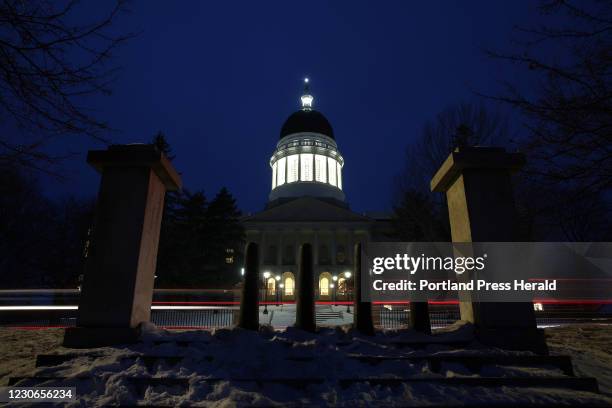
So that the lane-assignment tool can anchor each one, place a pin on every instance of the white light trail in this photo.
(74, 307)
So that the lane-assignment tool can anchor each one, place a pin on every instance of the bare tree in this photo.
(420, 215)
(463, 124)
(48, 64)
(569, 112)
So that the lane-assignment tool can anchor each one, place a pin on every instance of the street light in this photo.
(347, 276)
(266, 275)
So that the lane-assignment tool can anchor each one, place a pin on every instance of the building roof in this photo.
(307, 209)
(308, 120)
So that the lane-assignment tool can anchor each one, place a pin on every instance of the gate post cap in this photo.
(136, 155)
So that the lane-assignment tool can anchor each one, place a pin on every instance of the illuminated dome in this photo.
(307, 121)
(306, 161)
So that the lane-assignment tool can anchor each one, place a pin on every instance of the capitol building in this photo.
(307, 204)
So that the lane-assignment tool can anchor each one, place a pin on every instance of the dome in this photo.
(307, 121)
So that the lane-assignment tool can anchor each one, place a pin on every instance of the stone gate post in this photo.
(119, 273)
(363, 310)
(249, 302)
(477, 183)
(305, 299)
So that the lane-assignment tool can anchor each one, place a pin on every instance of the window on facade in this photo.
(271, 287)
(339, 176)
(320, 168)
(270, 258)
(340, 255)
(289, 255)
(292, 168)
(341, 286)
(289, 286)
(324, 258)
(229, 260)
(332, 171)
(281, 171)
(274, 166)
(306, 167)
(324, 286)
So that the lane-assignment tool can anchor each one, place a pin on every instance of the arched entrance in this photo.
(288, 288)
(271, 287)
(325, 286)
(342, 289)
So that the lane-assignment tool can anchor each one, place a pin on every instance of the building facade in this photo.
(307, 204)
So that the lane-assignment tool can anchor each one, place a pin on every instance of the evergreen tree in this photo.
(161, 143)
(200, 243)
(169, 255)
(417, 218)
(226, 238)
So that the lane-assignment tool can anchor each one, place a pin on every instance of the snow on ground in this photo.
(226, 353)
(18, 349)
(283, 316)
(590, 347)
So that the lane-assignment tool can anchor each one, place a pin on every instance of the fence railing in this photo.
(211, 318)
(218, 308)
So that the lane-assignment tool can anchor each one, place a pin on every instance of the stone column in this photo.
(263, 250)
(279, 248)
(333, 248)
(316, 248)
(120, 270)
(478, 187)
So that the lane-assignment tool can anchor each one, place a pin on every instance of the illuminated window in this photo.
(274, 166)
(324, 286)
(339, 176)
(271, 287)
(341, 286)
(332, 171)
(229, 260)
(292, 168)
(281, 171)
(289, 286)
(320, 168)
(306, 167)
(538, 307)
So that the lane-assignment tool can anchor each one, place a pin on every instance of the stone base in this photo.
(520, 339)
(88, 337)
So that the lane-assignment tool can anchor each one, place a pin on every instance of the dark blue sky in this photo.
(219, 78)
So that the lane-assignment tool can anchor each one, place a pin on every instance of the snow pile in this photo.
(590, 347)
(231, 355)
(18, 349)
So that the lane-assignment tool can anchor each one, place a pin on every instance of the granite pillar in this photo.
(120, 270)
(478, 186)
